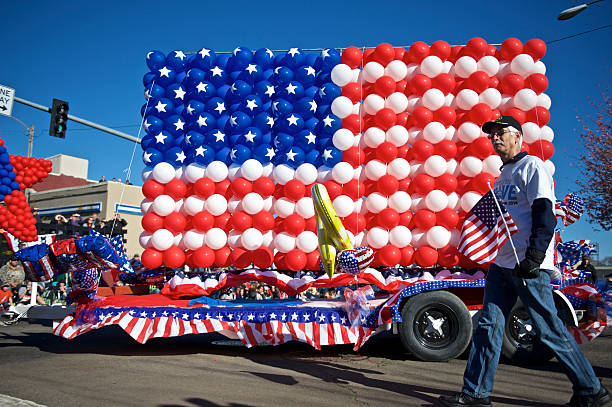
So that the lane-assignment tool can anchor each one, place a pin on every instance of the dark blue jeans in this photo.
(501, 291)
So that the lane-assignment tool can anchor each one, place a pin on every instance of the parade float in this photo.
(348, 168)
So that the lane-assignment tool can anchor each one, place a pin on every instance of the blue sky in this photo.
(93, 56)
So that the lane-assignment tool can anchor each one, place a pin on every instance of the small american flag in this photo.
(483, 231)
(570, 209)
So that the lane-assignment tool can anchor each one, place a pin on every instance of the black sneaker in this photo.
(593, 400)
(462, 399)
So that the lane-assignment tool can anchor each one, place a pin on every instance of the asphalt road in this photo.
(108, 368)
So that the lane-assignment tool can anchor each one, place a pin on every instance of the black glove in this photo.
(530, 266)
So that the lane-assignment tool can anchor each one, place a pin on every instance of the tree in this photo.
(595, 163)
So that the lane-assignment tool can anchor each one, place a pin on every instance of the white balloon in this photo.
(447, 66)
(468, 132)
(525, 99)
(306, 173)
(412, 69)
(436, 200)
(305, 207)
(400, 201)
(399, 168)
(523, 65)
(343, 205)
(419, 238)
(492, 165)
(413, 135)
(373, 103)
(470, 166)
(162, 239)
(397, 101)
(234, 204)
(449, 99)
(416, 168)
(433, 99)
(488, 64)
(506, 102)
(465, 66)
(504, 69)
(356, 75)
(251, 169)
(145, 205)
(438, 237)
(452, 167)
(252, 203)
(307, 241)
(466, 98)
(215, 238)
(163, 205)
(192, 239)
(531, 132)
(418, 202)
(194, 172)
(450, 133)
(147, 174)
(453, 201)
(267, 203)
(359, 206)
(431, 66)
(342, 106)
(400, 236)
(375, 169)
(550, 166)
(145, 239)
(547, 133)
(233, 239)
(539, 67)
(284, 242)
(178, 172)
(435, 166)
(413, 103)
(397, 135)
(491, 97)
(434, 132)
(376, 202)
(163, 172)
(396, 69)
(178, 241)
(283, 174)
(469, 199)
(343, 139)
(544, 101)
(268, 239)
(267, 170)
(284, 207)
(341, 74)
(251, 239)
(372, 71)
(342, 172)
(217, 171)
(216, 204)
(455, 237)
(377, 237)
(323, 174)
(233, 171)
(373, 137)
(178, 205)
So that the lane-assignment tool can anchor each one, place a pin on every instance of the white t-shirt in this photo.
(519, 184)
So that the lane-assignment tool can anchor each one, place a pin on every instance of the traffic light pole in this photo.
(78, 120)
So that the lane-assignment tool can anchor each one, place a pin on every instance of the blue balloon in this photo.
(305, 107)
(306, 139)
(153, 124)
(4, 190)
(12, 175)
(291, 123)
(179, 140)
(180, 77)
(240, 153)
(251, 74)
(278, 59)
(152, 156)
(165, 76)
(155, 60)
(263, 121)
(311, 123)
(240, 58)
(162, 107)
(4, 158)
(292, 91)
(194, 76)
(267, 75)
(175, 156)
(282, 75)
(162, 141)
(282, 107)
(216, 107)
(179, 109)
(222, 121)
(306, 75)
(266, 138)
(146, 109)
(313, 157)
(174, 125)
(238, 121)
(264, 89)
(194, 138)
(14, 185)
(330, 124)
(155, 91)
(264, 58)
(294, 58)
(217, 76)
(202, 123)
(294, 156)
(323, 141)
(203, 154)
(224, 155)
(193, 108)
(147, 141)
(264, 153)
(203, 59)
(328, 93)
(221, 60)
(217, 139)
(311, 59)
(222, 90)
(283, 141)
(204, 91)
(6, 181)
(175, 92)
(177, 60)
(322, 111)
(330, 57)
(322, 78)
(238, 91)
(311, 91)
(251, 136)
(331, 156)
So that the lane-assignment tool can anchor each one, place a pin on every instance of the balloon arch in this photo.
(234, 143)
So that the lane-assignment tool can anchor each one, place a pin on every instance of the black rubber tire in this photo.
(419, 333)
(521, 343)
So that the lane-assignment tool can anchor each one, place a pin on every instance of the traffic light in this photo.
(59, 118)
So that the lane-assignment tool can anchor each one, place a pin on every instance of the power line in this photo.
(576, 35)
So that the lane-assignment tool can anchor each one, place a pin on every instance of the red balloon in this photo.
(355, 222)
(543, 149)
(537, 82)
(419, 84)
(313, 261)
(539, 115)
(333, 189)
(150, 189)
(418, 51)
(400, 86)
(422, 150)
(493, 82)
(222, 257)
(353, 91)
(296, 260)
(263, 221)
(388, 218)
(264, 186)
(240, 187)
(176, 189)
(446, 149)
(421, 117)
(174, 257)
(492, 50)
(525, 148)
(424, 219)
(518, 114)
(352, 57)
(389, 255)
(447, 183)
(388, 184)
(426, 256)
(203, 257)
(385, 53)
(512, 83)
(175, 222)
(263, 257)
(354, 156)
(406, 219)
(477, 48)
(354, 123)
(445, 115)
(448, 256)
(240, 258)
(295, 190)
(448, 218)
(386, 152)
(223, 188)
(481, 147)
(152, 222)
(152, 258)
(385, 118)
(407, 256)
(384, 86)
(368, 55)
(223, 221)
(399, 53)
(423, 184)
(403, 150)
(242, 221)
(441, 49)
(510, 48)
(478, 81)
(482, 181)
(354, 189)
(536, 48)
(203, 221)
(294, 224)
(463, 184)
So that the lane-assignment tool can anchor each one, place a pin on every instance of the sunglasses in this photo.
(498, 133)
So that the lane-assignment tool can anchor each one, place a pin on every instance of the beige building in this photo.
(67, 191)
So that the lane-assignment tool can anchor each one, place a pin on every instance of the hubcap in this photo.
(435, 326)
(522, 329)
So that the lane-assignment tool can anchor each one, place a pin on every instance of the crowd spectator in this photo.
(102, 179)
(75, 220)
(135, 262)
(6, 296)
(25, 294)
(12, 273)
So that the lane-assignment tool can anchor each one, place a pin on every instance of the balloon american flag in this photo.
(234, 141)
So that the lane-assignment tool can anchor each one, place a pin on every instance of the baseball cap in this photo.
(503, 121)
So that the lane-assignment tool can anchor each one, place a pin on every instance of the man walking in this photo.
(526, 189)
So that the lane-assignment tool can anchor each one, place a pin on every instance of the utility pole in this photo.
(30, 139)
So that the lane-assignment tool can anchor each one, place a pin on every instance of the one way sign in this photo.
(6, 100)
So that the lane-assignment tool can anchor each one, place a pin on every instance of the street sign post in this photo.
(6, 100)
